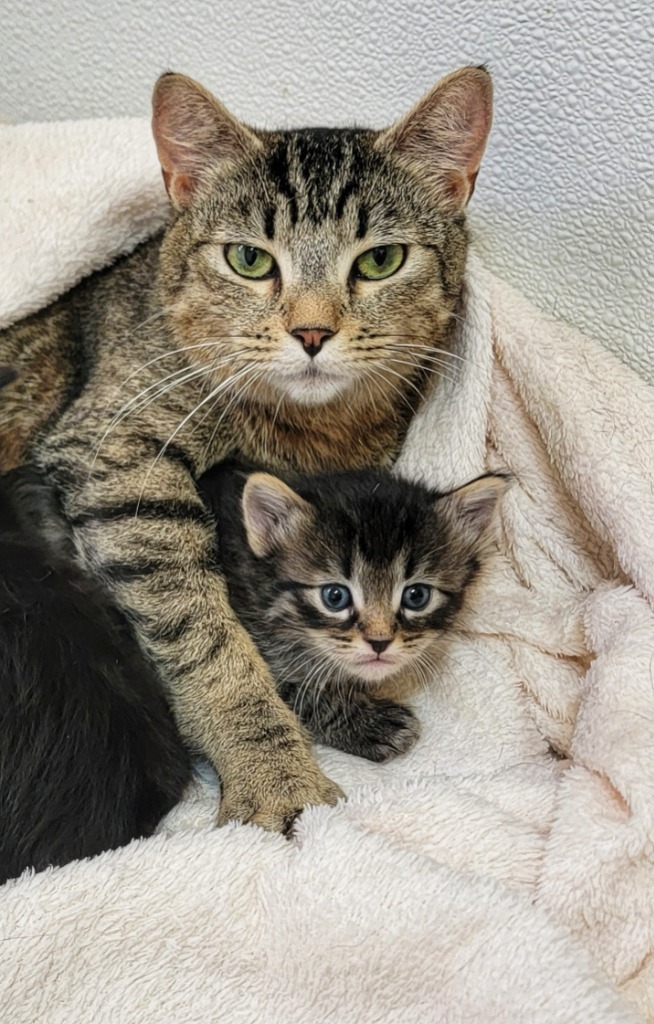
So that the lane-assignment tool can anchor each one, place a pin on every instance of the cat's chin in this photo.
(375, 670)
(311, 388)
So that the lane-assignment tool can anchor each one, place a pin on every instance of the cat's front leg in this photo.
(354, 720)
(139, 526)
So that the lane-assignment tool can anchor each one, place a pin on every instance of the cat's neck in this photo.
(345, 434)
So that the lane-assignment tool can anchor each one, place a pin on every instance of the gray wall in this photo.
(564, 206)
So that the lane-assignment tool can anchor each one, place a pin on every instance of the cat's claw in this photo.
(277, 809)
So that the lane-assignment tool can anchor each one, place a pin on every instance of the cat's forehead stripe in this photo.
(316, 172)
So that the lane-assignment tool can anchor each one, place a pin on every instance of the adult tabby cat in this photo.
(346, 581)
(293, 315)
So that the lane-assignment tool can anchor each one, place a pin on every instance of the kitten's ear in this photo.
(444, 136)
(273, 514)
(472, 507)
(193, 132)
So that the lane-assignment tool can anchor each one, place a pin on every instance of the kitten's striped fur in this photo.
(370, 536)
(145, 374)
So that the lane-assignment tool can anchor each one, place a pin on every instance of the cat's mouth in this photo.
(313, 384)
(376, 666)
(313, 374)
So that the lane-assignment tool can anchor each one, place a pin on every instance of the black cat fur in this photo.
(89, 755)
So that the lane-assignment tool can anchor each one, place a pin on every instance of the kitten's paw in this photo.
(378, 729)
(276, 807)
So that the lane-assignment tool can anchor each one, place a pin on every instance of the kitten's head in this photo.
(363, 570)
(323, 261)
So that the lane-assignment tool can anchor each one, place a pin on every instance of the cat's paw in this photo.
(379, 730)
(276, 804)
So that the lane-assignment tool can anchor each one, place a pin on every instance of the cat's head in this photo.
(364, 570)
(316, 263)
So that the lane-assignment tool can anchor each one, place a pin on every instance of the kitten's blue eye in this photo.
(336, 597)
(416, 597)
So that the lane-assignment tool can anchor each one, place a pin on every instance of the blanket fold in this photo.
(503, 870)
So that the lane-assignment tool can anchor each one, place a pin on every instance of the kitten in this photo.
(293, 315)
(347, 581)
(90, 757)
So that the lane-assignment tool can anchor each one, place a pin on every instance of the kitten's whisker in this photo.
(304, 689)
(288, 667)
(321, 677)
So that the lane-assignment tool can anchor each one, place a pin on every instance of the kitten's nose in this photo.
(312, 338)
(378, 645)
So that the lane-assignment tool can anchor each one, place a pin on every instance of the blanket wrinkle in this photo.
(503, 870)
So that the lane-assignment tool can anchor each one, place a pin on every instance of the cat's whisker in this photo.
(436, 371)
(183, 376)
(258, 374)
(252, 366)
(115, 421)
(214, 341)
(377, 375)
(217, 390)
(406, 380)
(415, 358)
(208, 343)
(226, 359)
(140, 401)
(421, 355)
(427, 347)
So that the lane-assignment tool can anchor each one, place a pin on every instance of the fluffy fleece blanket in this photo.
(482, 878)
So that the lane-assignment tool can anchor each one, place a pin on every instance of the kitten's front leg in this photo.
(140, 527)
(354, 720)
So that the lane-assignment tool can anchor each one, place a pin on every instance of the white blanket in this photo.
(480, 878)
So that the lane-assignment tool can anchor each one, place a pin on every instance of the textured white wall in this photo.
(564, 207)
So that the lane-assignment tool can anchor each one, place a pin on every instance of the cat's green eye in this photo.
(380, 262)
(249, 261)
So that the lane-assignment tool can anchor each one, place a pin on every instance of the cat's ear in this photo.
(472, 507)
(444, 136)
(273, 514)
(193, 132)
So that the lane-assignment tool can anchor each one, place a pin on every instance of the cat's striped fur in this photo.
(145, 374)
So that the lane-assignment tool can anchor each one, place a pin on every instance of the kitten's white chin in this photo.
(375, 670)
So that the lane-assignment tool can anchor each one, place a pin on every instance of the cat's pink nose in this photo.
(312, 338)
(378, 646)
